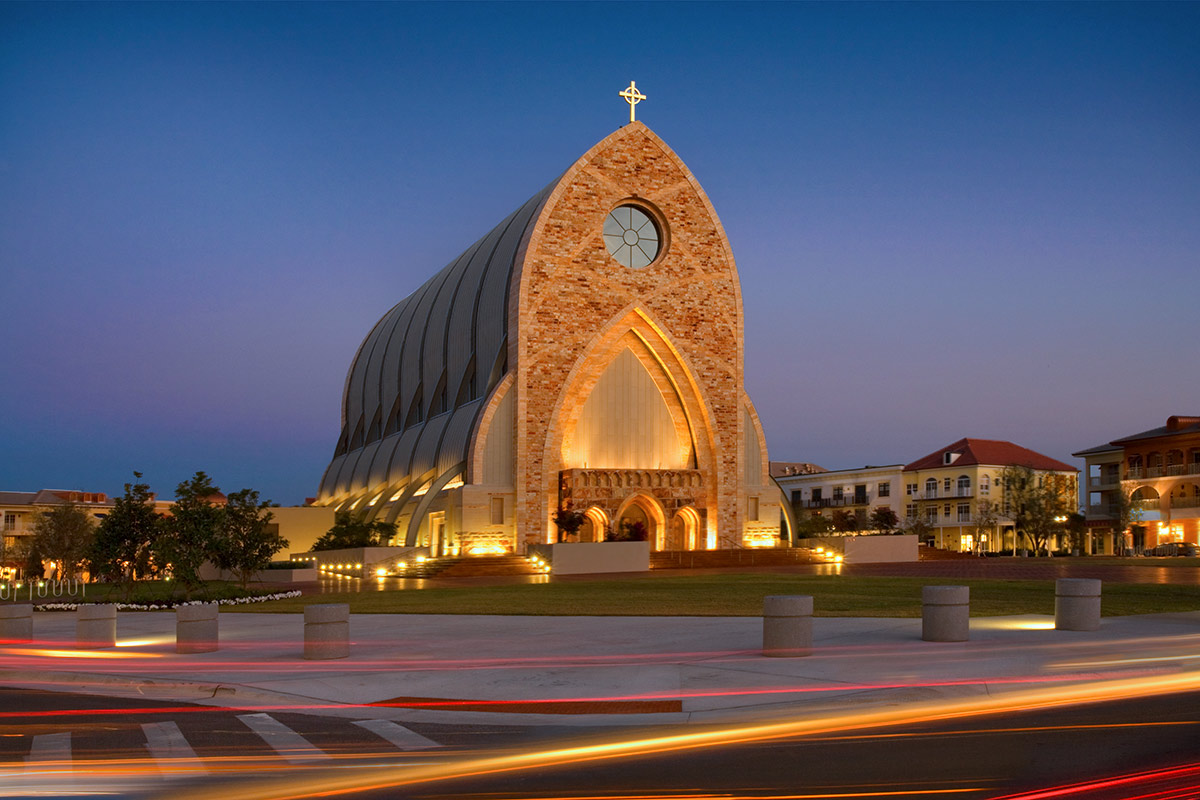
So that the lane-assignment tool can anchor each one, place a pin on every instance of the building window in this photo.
(946, 485)
(837, 494)
(964, 512)
(860, 493)
(10, 521)
(752, 509)
(885, 489)
(964, 486)
(497, 510)
(910, 511)
(931, 514)
(985, 484)
(946, 511)
(910, 489)
(931, 488)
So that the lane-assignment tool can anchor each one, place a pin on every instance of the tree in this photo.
(813, 526)
(350, 532)
(986, 517)
(1124, 511)
(915, 526)
(568, 522)
(883, 519)
(247, 540)
(1077, 531)
(844, 521)
(122, 546)
(1033, 502)
(189, 534)
(63, 535)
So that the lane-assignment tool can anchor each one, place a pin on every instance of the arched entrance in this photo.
(641, 517)
(595, 525)
(682, 532)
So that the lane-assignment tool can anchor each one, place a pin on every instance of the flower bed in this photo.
(167, 606)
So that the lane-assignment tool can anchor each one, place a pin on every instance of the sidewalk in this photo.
(589, 670)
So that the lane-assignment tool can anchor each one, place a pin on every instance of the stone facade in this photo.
(660, 345)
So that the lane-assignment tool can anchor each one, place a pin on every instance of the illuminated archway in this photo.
(643, 509)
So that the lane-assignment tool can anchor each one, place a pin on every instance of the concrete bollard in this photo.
(1077, 604)
(96, 626)
(196, 628)
(787, 625)
(327, 631)
(16, 623)
(945, 613)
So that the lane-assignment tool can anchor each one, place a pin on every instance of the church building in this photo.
(584, 355)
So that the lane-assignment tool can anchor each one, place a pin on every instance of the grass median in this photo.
(736, 595)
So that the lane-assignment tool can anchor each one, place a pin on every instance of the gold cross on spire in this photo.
(633, 97)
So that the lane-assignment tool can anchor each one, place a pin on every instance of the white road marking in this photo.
(175, 757)
(289, 744)
(398, 735)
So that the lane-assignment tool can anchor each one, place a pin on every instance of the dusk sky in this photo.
(949, 220)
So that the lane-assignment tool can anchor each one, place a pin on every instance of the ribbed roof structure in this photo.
(418, 381)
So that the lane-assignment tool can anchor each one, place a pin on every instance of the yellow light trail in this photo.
(324, 784)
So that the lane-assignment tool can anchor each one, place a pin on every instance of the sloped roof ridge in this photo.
(997, 452)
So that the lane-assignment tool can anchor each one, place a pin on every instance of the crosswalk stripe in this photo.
(166, 744)
(285, 741)
(398, 735)
(51, 747)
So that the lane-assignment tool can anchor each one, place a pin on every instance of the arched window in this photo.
(964, 486)
(931, 488)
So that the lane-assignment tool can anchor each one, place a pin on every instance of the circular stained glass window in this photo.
(631, 236)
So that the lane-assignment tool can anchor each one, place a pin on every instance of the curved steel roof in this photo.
(418, 381)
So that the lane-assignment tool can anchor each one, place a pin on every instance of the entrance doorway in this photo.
(437, 534)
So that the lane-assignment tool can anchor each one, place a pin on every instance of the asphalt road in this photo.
(81, 745)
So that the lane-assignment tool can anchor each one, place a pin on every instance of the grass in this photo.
(737, 595)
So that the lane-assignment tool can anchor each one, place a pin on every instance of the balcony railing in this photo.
(1185, 502)
(1135, 473)
(837, 502)
(1148, 505)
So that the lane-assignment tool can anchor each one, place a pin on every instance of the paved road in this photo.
(1106, 751)
(55, 743)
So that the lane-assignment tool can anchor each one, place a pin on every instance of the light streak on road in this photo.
(1165, 783)
(549, 704)
(322, 783)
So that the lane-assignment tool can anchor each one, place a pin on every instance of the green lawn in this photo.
(737, 595)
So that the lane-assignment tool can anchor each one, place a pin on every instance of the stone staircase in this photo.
(472, 567)
(739, 557)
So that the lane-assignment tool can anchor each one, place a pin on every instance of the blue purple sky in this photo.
(949, 220)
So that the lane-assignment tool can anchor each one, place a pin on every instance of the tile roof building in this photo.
(956, 491)
(1158, 470)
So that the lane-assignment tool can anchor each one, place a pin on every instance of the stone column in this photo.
(196, 628)
(787, 625)
(1077, 604)
(16, 623)
(327, 631)
(945, 613)
(96, 626)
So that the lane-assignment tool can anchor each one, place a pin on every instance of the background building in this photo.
(1158, 470)
(585, 355)
(956, 491)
